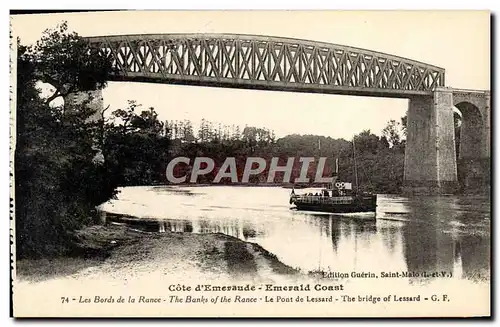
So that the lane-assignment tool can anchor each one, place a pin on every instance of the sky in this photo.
(457, 41)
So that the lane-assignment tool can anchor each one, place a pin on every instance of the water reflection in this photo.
(430, 234)
(475, 257)
(339, 228)
(231, 228)
(436, 240)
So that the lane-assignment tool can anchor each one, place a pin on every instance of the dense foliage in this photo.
(380, 164)
(66, 161)
(57, 182)
(135, 145)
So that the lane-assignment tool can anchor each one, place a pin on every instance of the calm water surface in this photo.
(427, 233)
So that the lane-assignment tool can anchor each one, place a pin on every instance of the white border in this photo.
(198, 4)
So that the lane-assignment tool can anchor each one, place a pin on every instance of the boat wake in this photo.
(357, 214)
(397, 219)
(360, 215)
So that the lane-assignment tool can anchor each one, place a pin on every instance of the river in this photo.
(416, 234)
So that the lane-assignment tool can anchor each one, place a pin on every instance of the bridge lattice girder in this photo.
(248, 61)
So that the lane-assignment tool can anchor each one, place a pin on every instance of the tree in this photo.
(404, 124)
(366, 142)
(136, 146)
(67, 62)
(57, 182)
(236, 133)
(188, 132)
(392, 132)
(202, 131)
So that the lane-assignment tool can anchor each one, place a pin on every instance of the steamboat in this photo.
(339, 197)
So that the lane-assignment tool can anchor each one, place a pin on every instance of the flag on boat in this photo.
(343, 185)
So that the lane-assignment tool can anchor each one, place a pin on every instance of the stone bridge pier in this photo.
(431, 158)
(92, 99)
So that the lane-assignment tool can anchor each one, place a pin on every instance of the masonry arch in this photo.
(468, 130)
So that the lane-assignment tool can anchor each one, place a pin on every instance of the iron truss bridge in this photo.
(269, 63)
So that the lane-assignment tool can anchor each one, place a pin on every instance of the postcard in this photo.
(251, 164)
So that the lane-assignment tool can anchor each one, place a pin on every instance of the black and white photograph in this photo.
(299, 164)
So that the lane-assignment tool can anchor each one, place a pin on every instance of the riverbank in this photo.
(112, 248)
